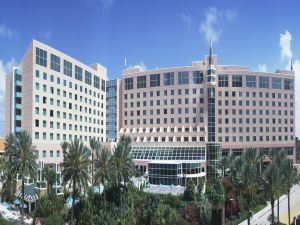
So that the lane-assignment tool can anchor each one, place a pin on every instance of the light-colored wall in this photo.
(28, 66)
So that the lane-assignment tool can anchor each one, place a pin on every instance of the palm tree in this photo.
(102, 165)
(278, 157)
(76, 164)
(122, 164)
(24, 160)
(224, 165)
(270, 183)
(8, 187)
(95, 147)
(247, 180)
(291, 178)
(216, 193)
(50, 177)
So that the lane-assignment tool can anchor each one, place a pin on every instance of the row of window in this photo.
(251, 81)
(65, 105)
(55, 64)
(63, 137)
(168, 79)
(70, 127)
(64, 94)
(201, 120)
(255, 138)
(201, 91)
(254, 129)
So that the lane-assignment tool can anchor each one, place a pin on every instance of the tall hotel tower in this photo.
(183, 119)
(56, 98)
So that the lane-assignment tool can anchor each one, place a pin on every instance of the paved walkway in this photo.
(261, 217)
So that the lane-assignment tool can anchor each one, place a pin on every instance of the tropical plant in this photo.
(23, 160)
(50, 176)
(247, 183)
(270, 184)
(75, 173)
(189, 192)
(216, 194)
(102, 165)
(204, 209)
(95, 148)
(291, 178)
(8, 180)
(164, 215)
(122, 163)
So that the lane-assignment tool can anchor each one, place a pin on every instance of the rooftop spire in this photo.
(291, 64)
(210, 52)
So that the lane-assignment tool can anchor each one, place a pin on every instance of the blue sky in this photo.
(152, 33)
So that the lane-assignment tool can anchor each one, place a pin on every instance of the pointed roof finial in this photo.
(210, 52)
(125, 63)
(291, 64)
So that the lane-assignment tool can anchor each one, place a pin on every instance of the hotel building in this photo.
(183, 119)
(56, 98)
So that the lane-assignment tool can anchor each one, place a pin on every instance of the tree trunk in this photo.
(22, 202)
(223, 214)
(272, 211)
(278, 210)
(249, 217)
(92, 167)
(73, 203)
(289, 208)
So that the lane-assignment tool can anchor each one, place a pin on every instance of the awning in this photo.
(29, 193)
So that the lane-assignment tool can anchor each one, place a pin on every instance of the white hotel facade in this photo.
(56, 98)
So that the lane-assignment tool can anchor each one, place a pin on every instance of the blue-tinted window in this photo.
(67, 68)
(223, 80)
(154, 80)
(55, 63)
(197, 77)
(237, 81)
(78, 73)
(263, 82)
(251, 81)
(41, 57)
(288, 84)
(276, 83)
(88, 78)
(168, 79)
(183, 77)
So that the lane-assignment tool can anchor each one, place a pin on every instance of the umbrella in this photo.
(17, 202)
(5, 204)
(24, 206)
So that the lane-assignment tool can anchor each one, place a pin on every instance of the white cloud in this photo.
(211, 27)
(46, 34)
(285, 46)
(140, 65)
(5, 67)
(107, 3)
(5, 31)
(187, 19)
(262, 68)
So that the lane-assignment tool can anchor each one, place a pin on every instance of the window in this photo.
(129, 83)
(41, 57)
(223, 80)
(96, 82)
(141, 82)
(88, 78)
(67, 68)
(44, 153)
(263, 82)
(55, 63)
(183, 77)
(276, 83)
(197, 77)
(250, 81)
(154, 80)
(168, 79)
(288, 84)
(237, 81)
(103, 82)
(78, 73)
